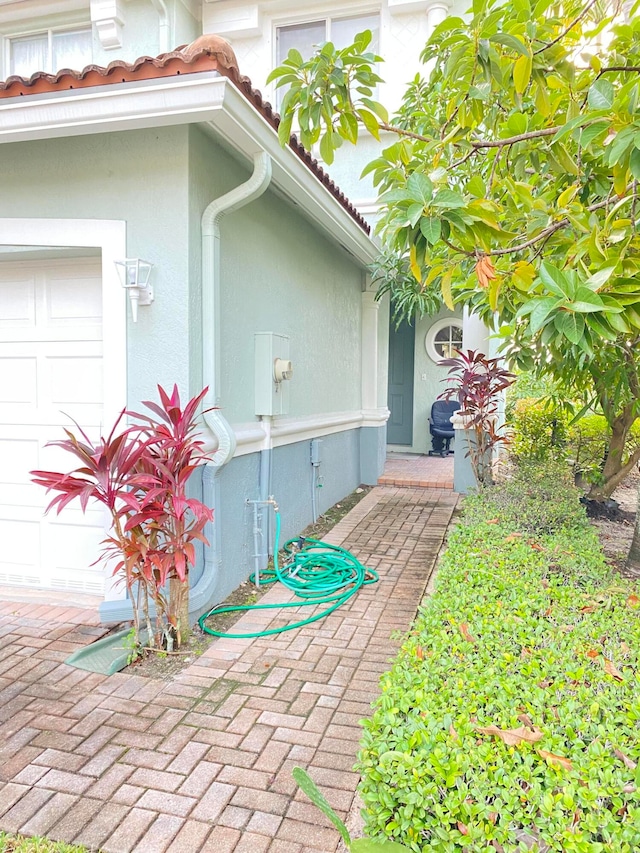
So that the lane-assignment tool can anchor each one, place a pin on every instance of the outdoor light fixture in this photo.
(134, 276)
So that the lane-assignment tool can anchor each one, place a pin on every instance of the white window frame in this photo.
(43, 31)
(432, 331)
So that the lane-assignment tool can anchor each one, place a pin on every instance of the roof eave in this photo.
(201, 98)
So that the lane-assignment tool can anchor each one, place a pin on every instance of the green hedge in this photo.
(517, 636)
(538, 431)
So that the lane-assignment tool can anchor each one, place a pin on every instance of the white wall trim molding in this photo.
(250, 437)
(108, 235)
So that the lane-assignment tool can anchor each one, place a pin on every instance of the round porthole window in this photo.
(444, 338)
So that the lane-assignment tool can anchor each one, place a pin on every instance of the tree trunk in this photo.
(179, 607)
(614, 472)
(633, 558)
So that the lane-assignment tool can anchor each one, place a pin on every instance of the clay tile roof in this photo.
(208, 53)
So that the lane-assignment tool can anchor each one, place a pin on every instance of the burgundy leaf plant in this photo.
(140, 475)
(477, 383)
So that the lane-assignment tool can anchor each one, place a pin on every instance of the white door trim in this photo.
(110, 236)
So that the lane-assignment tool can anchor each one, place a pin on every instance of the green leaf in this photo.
(448, 198)
(601, 95)
(570, 325)
(327, 148)
(284, 129)
(431, 228)
(591, 131)
(511, 42)
(540, 311)
(370, 122)
(599, 278)
(554, 279)
(476, 187)
(634, 163)
(586, 301)
(307, 785)
(371, 845)
(420, 188)
(522, 73)
(294, 57)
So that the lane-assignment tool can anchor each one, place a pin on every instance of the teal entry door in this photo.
(400, 398)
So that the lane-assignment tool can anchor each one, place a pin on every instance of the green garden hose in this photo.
(317, 572)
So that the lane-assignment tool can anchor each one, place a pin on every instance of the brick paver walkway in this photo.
(203, 762)
(413, 469)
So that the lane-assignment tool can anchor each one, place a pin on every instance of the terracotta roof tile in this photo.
(206, 54)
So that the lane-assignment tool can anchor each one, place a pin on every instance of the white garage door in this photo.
(50, 368)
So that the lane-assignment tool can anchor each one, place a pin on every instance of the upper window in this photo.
(340, 31)
(444, 338)
(51, 51)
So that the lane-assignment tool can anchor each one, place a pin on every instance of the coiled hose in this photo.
(317, 572)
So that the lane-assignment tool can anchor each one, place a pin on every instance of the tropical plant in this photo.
(477, 382)
(512, 182)
(140, 474)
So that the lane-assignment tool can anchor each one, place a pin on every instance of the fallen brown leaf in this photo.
(464, 630)
(536, 546)
(453, 732)
(556, 759)
(419, 652)
(492, 817)
(462, 828)
(512, 537)
(633, 601)
(493, 521)
(593, 653)
(624, 648)
(590, 608)
(526, 720)
(611, 669)
(628, 762)
(513, 737)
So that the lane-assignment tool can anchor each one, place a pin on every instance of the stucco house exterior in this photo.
(256, 254)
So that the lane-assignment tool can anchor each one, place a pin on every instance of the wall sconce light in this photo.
(134, 277)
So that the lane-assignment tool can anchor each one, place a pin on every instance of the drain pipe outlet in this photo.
(218, 426)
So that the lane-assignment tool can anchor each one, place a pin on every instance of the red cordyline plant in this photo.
(476, 383)
(140, 475)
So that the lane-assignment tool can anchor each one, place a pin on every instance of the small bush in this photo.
(539, 432)
(510, 720)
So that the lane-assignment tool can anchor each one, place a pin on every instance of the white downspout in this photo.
(211, 321)
(224, 440)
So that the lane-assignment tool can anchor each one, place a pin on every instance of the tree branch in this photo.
(511, 140)
(575, 21)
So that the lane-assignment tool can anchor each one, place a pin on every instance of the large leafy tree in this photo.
(510, 183)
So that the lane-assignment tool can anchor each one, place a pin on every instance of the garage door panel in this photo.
(70, 299)
(51, 370)
(75, 380)
(17, 301)
(19, 380)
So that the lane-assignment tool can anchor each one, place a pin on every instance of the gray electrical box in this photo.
(316, 451)
(273, 372)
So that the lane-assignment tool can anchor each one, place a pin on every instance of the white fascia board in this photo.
(192, 98)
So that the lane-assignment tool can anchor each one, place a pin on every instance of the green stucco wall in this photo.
(136, 176)
(279, 274)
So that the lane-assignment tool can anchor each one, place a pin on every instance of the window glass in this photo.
(302, 37)
(51, 51)
(29, 55)
(71, 50)
(344, 30)
(443, 339)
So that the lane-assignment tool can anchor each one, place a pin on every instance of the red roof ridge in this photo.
(207, 53)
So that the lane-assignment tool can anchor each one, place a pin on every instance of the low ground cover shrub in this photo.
(510, 720)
